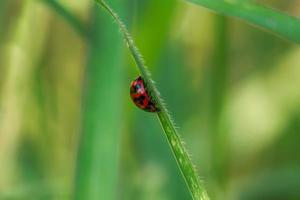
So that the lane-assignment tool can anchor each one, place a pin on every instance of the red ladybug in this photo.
(140, 96)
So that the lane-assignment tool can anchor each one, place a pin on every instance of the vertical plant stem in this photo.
(218, 85)
(196, 188)
(16, 69)
(96, 173)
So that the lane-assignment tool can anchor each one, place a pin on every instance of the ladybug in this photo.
(140, 96)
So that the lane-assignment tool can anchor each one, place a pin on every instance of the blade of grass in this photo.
(96, 170)
(14, 61)
(70, 18)
(196, 188)
(217, 77)
(279, 23)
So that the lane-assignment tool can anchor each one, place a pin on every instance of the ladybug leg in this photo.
(151, 107)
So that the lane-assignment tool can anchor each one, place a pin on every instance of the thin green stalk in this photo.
(196, 188)
(218, 82)
(279, 23)
(97, 158)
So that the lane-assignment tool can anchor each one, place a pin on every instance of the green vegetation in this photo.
(68, 129)
(197, 190)
(276, 22)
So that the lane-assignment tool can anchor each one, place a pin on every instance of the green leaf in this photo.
(195, 186)
(97, 161)
(279, 23)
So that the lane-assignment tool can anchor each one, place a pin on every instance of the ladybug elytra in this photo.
(140, 96)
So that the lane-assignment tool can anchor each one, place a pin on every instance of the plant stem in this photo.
(97, 159)
(218, 77)
(196, 188)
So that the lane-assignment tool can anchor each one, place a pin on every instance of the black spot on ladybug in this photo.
(139, 100)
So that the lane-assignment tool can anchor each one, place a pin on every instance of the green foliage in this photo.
(70, 18)
(266, 18)
(237, 107)
(96, 173)
(196, 188)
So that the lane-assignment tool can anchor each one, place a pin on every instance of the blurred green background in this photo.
(68, 129)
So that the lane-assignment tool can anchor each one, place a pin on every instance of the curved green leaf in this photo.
(281, 24)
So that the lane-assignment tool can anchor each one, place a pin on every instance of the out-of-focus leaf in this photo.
(67, 16)
(152, 46)
(96, 173)
(281, 24)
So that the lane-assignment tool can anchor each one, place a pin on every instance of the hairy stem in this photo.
(196, 188)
